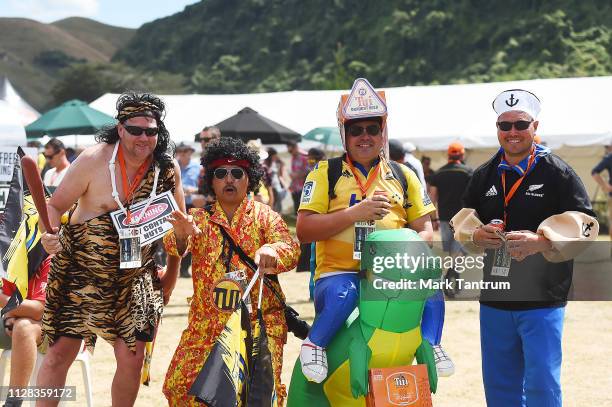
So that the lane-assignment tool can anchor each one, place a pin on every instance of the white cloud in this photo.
(52, 10)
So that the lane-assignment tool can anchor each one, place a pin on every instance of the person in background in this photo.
(41, 161)
(190, 171)
(208, 135)
(23, 326)
(55, 153)
(71, 154)
(605, 164)
(264, 194)
(275, 169)
(414, 162)
(428, 172)
(299, 170)
(433, 314)
(447, 187)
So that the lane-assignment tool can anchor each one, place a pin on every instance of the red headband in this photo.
(229, 161)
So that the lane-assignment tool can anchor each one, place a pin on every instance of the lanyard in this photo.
(115, 193)
(517, 184)
(369, 180)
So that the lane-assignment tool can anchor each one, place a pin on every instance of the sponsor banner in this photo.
(153, 224)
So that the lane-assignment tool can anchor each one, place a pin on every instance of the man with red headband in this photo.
(366, 196)
(219, 275)
(103, 281)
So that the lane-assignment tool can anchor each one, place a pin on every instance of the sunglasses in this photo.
(137, 131)
(48, 157)
(519, 125)
(355, 130)
(221, 173)
(207, 139)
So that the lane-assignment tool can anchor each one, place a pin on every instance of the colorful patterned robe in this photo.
(254, 225)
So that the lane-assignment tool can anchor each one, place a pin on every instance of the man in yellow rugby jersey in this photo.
(338, 211)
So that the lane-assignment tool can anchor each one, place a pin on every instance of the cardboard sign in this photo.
(399, 386)
(153, 225)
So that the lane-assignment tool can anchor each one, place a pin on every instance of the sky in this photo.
(122, 13)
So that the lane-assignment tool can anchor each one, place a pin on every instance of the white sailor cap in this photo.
(517, 99)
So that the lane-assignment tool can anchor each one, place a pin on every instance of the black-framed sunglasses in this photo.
(221, 173)
(137, 131)
(356, 130)
(49, 157)
(519, 125)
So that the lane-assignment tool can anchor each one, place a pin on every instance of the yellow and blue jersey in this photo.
(336, 253)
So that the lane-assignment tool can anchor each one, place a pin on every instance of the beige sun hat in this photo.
(569, 233)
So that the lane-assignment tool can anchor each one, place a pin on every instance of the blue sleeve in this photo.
(605, 164)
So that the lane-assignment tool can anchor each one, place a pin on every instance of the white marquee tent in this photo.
(575, 111)
(576, 115)
(12, 132)
(26, 113)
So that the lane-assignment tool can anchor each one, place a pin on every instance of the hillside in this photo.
(102, 37)
(255, 45)
(32, 53)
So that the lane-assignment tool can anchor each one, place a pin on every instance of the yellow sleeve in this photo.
(315, 193)
(419, 203)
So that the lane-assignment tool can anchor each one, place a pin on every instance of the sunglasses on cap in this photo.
(356, 130)
(137, 131)
(221, 173)
(519, 125)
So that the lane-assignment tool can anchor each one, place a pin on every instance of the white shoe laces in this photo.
(317, 355)
(440, 355)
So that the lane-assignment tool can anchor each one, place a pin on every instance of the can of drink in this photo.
(499, 225)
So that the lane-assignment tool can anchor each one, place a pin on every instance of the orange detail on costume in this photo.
(253, 225)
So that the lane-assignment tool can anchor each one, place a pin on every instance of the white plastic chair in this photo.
(82, 357)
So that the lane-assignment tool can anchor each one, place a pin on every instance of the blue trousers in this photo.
(433, 318)
(335, 297)
(521, 356)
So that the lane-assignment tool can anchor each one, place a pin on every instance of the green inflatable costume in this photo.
(387, 330)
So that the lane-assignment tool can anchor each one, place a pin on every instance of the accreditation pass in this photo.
(362, 230)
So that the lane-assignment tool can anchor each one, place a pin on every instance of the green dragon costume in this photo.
(387, 330)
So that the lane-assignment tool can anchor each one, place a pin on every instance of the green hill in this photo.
(256, 45)
(32, 54)
(102, 37)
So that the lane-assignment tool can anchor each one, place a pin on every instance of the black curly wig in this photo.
(147, 105)
(227, 147)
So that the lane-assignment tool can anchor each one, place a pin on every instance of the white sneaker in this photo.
(314, 361)
(444, 364)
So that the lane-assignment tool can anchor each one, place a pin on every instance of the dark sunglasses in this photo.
(355, 130)
(221, 173)
(137, 131)
(48, 157)
(519, 125)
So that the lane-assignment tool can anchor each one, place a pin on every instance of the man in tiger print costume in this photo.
(88, 294)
